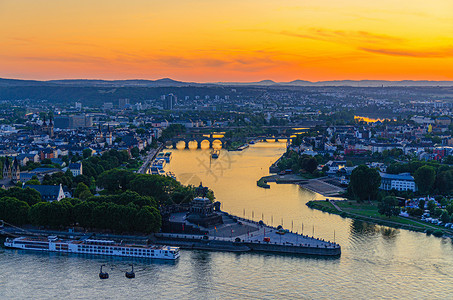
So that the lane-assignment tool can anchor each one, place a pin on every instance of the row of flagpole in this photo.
(292, 224)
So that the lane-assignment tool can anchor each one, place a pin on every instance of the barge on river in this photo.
(92, 246)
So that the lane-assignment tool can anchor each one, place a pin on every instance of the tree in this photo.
(389, 206)
(148, 219)
(421, 204)
(83, 213)
(85, 194)
(29, 195)
(13, 210)
(159, 187)
(309, 164)
(87, 152)
(135, 152)
(450, 208)
(424, 178)
(140, 131)
(39, 214)
(364, 182)
(114, 180)
(46, 161)
(444, 181)
(432, 205)
(82, 191)
(33, 182)
(445, 217)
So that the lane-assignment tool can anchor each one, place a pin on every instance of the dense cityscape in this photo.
(65, 149)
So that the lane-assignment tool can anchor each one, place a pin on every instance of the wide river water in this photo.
(376, 261)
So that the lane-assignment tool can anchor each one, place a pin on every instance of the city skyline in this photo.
(210, 41)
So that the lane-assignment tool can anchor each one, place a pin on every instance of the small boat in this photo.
(154, 171)
(130, 274)
(103, 275)
(167, 157)
(171, 174)
(215, 154)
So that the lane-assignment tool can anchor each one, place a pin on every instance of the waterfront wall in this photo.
(274, 168)
(197, 242)
(305, 250)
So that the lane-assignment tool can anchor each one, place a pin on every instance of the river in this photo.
(376, 261)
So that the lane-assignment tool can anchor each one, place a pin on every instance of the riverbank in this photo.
(237, 146)
(234, 234)
(321, 185)
(368, 212)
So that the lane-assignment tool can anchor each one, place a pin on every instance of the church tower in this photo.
(108, 136)
(15, 171)
(99, 135)
(7, 169)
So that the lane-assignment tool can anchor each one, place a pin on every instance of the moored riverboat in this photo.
(92, 246)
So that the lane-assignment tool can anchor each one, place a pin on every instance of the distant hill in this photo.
(349, 83)
(167, 82)
(164, 82)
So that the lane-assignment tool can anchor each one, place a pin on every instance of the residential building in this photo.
(76, 169)
(49, 193)
(399, 182)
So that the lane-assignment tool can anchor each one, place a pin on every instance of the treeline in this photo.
(164, 190)
(431, 176)
(126, 212)
(297, 163)
(172, 131)
(130, 203)
(27, 195)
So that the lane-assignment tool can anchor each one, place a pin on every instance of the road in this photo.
(151, 154)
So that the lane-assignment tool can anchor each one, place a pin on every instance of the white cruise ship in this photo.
(91, 246)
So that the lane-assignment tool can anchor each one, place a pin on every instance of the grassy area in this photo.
(234, 145)
(263, 183)
(307, 175)
(325, 206)
(369, 212)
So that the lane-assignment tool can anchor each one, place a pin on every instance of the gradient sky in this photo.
(227, 40)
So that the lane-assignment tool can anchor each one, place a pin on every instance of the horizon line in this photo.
(215, 82)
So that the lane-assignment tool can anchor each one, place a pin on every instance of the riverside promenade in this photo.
(242, 235)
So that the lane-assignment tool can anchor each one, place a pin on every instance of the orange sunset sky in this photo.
(220, 40)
